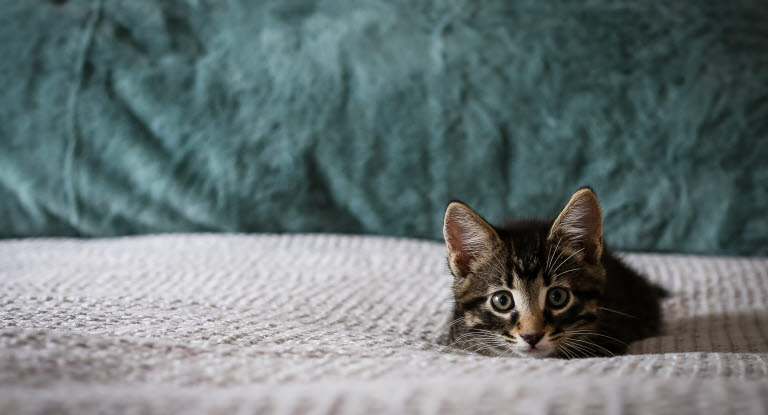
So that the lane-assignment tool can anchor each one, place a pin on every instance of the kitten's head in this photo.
(528, 289)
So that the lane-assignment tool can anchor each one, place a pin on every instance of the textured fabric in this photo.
(368, 116)
(293, 324)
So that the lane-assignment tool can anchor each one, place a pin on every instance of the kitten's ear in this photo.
(468, 237)
(580, 225)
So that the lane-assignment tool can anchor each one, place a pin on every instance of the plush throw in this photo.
(368, 116)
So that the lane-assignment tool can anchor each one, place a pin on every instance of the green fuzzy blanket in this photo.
(368, 116)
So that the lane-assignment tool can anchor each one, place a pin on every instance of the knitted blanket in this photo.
(339, 324)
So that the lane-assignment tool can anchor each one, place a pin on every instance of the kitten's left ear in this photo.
(580, 225)
(470, 239)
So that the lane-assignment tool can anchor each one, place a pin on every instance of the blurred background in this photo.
(148, 116)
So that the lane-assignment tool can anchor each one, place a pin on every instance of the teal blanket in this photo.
(368, 116)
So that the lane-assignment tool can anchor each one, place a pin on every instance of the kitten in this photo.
(543, 288)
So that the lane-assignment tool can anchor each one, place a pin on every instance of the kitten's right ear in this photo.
(468, 237)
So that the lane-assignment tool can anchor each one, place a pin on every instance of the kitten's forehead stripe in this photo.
(532, 287)
(473, 302)
(510, 277)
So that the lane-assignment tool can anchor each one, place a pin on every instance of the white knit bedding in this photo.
(339, 324)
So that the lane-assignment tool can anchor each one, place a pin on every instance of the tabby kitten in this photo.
(544, 289)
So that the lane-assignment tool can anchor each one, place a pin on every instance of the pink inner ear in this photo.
(454, 239)
(580, 223)
(585, 222)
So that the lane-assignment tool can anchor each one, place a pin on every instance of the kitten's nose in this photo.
(532, 338)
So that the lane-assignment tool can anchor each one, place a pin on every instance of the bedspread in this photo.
(339, 324)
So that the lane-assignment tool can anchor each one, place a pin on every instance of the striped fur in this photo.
(538, 263)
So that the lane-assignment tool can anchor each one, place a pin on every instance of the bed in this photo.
(323, 323)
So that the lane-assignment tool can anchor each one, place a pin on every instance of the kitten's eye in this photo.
(502, 301)
(557, 297)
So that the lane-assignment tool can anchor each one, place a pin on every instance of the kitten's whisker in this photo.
(485, 346)
(575, 352)
(505, 347)
(565, 272)
(450, 324)
(554, 252)
(482, 340)
(464, 338)
(579, 353)
(566, 260)
(560, 351)
(474, 334)
(509, 351)
(474, 345)
(617, 312)
(551, 254)
(476, 337)
(591, 343)
(582, 348)
(592, 333)
(567, 347)
(567, 351)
